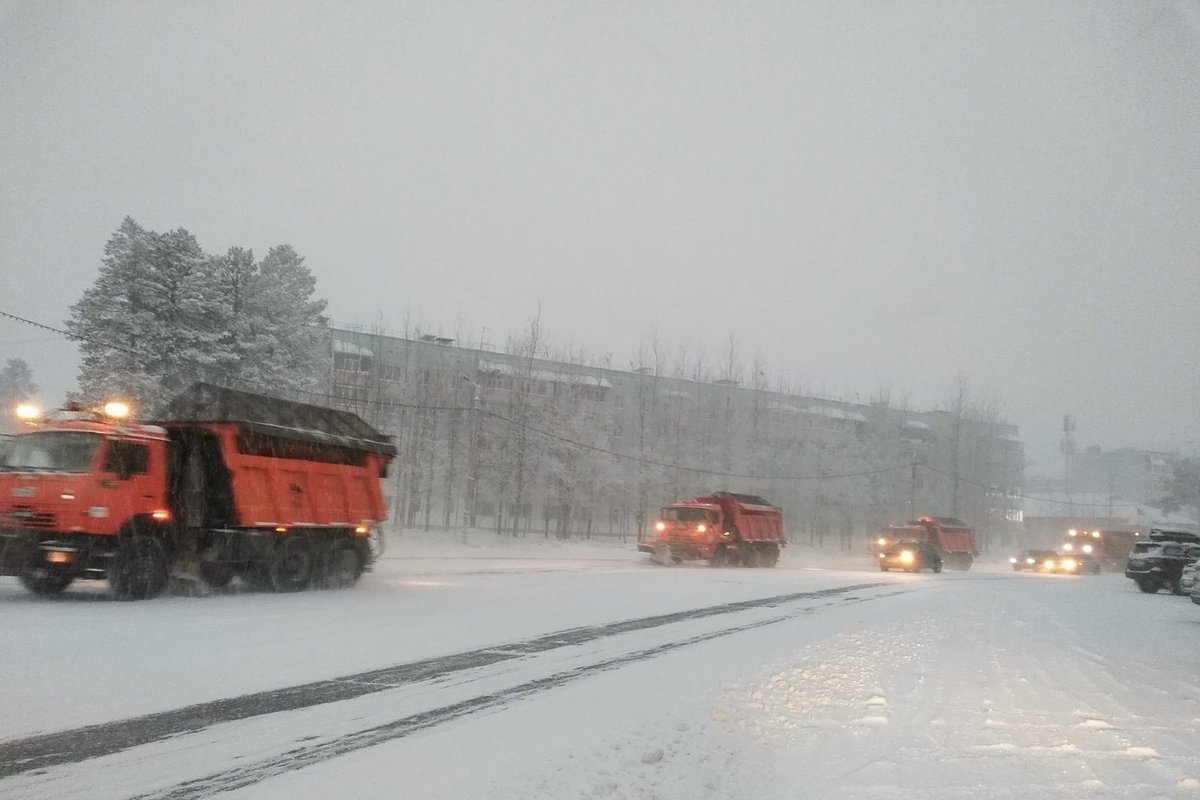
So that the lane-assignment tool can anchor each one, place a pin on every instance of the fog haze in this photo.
(876, 197)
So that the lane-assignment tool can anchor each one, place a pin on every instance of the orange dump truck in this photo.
(283, 494)
(722, 528)
(953, 538)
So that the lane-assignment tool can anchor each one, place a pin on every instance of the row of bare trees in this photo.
(533, 439)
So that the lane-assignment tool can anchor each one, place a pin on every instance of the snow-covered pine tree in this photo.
(16, 386)
(273, 336)
(162, 314)
(145, 327)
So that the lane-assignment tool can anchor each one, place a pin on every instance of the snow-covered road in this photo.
(562, 671)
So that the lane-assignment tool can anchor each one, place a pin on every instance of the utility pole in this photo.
(1067, 446)
(473, 457)
(912, 489)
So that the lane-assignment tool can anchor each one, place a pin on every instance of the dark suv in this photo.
(1158, 564)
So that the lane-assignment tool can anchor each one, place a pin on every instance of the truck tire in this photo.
(1177, 587)
(883, 567)
(1148, 585)
(720, 557)
(937, 566)
(291, 567)
(46, 582)
(217, 576)
(139, 570)
(965, 561)
(770, 555)
(346, 565)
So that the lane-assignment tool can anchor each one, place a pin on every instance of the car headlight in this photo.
(906, 556)
(1048, 564)
(1069, 564)
(1030, 561)
(1087, 548)
(1012, 560)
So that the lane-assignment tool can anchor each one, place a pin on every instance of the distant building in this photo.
(1126, 474)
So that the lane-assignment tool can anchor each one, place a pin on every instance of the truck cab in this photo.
(69, 486)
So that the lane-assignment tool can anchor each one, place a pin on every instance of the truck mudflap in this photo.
(17, 550)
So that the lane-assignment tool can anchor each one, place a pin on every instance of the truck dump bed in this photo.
(755, 518)
(250, 461)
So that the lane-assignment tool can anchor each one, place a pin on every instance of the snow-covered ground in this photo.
(507, 668)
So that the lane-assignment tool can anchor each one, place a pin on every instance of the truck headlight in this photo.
(660, 526)
(1069, 564)
(1048, 564)
(906, 556)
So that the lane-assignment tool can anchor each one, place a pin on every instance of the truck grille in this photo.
(27, 517)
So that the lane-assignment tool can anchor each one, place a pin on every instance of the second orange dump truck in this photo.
(721, 528)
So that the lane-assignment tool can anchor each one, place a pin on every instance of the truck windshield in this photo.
(687, 515)
(51, 451)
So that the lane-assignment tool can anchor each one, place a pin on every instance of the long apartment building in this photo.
(539, 444)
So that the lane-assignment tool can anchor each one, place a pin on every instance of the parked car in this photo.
(1159, 565)
(911, 557)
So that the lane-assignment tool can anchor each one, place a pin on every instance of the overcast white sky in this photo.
(874, 194)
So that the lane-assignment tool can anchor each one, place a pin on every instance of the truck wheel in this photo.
(1148, 586)
(883, 567)
(720, 557)
(965, 561)
(217, 576)
(292, 564)
(752, 557)
(345, 565)
(46, 582)
(770, 555)
(1177, 587)
(937, 566)
(139, 569)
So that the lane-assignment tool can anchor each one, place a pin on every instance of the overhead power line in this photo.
(606, 451)
(518, 423)
(609, 452)
(1051, 500)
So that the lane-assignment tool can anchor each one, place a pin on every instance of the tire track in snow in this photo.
(299, 757)
(80, 744)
